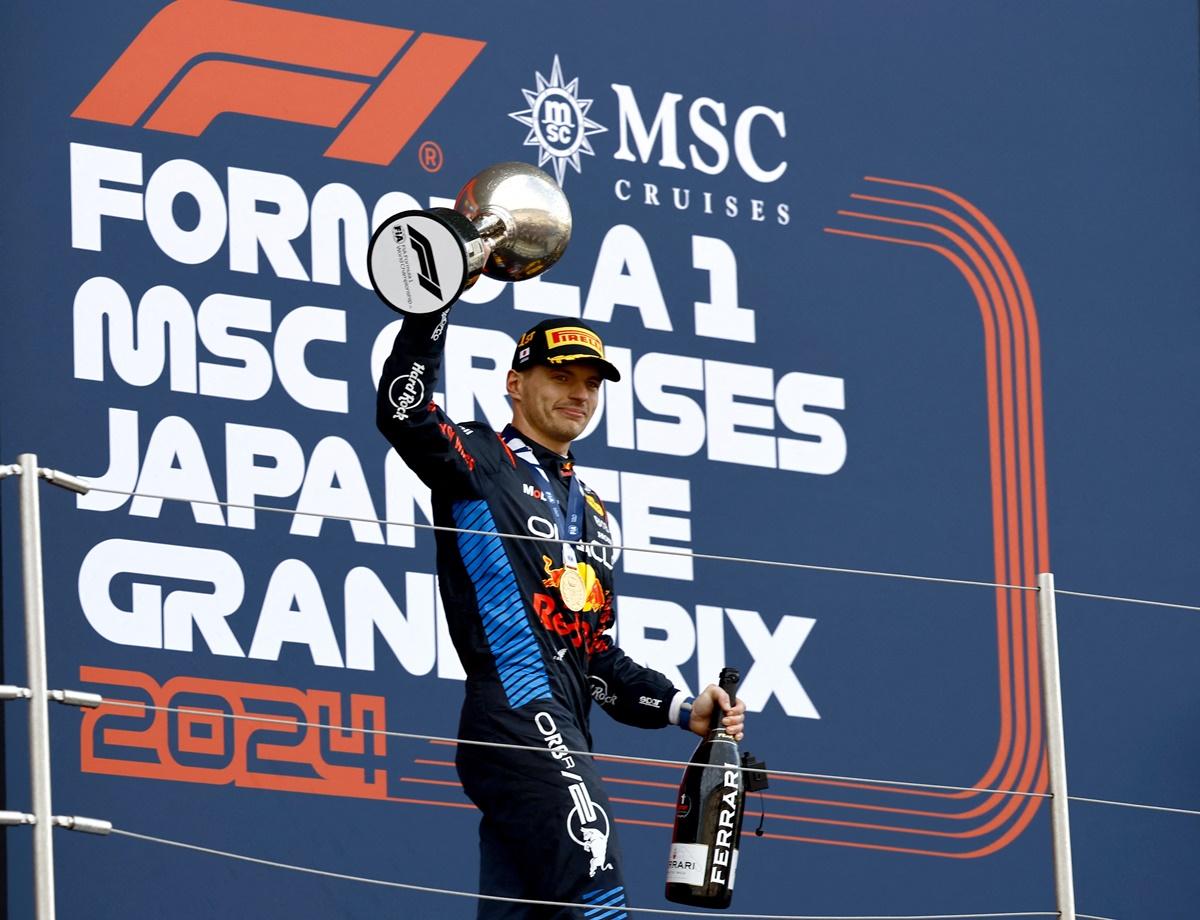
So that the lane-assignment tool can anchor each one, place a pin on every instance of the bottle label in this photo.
(687, 863)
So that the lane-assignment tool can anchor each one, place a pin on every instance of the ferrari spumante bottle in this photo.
(708, 817)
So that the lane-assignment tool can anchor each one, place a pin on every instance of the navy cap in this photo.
(556, 341)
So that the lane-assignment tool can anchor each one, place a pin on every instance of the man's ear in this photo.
(512, 384)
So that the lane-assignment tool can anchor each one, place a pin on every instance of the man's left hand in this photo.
(702, 710)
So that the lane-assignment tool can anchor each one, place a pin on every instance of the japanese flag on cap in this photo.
(560, 341)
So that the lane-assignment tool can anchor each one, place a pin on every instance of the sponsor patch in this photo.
(407, 391)
(574, 335)
(587, 822)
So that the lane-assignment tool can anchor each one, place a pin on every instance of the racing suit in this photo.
(533, 665)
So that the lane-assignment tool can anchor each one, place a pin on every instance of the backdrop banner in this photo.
(904, 288)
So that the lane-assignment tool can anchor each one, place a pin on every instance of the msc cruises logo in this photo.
(557, 121)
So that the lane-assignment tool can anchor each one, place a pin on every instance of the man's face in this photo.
(555, 402)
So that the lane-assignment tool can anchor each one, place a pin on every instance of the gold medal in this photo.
(571, 588)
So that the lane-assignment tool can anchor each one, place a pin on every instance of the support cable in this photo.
(658, 550)
(1174, 811)
(630, 758)
(1127, 600)
(427, 889)
(626, 758)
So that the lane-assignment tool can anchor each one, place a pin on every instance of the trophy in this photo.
(510, 222)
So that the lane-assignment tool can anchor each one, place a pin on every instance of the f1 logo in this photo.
(396, 98)
(427, 276)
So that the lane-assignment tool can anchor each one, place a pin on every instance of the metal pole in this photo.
(1060, 826)
(35, 663)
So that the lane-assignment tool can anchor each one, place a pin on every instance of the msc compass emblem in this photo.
(557, 121)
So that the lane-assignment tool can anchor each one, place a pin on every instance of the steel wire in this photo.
(428, 889)
(620, 757)
(658, 550)
(1127, 600)
(630, 758)
(1166, 808)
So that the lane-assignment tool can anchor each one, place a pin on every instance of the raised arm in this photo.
(436, 449)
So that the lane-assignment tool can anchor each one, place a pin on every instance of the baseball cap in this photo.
(555, 341)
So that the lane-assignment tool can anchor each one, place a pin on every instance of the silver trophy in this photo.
(510, 222)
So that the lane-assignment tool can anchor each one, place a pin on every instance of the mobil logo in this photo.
(172, 78)
(710, 134)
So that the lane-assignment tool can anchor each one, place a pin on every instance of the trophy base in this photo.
(418, 261)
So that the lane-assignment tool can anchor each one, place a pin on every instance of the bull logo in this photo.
(587, 825)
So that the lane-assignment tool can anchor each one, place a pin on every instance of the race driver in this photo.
(530, 617)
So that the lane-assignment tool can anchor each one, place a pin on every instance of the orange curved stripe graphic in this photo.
(975, 247)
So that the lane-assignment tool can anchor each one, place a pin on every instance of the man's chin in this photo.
(572, 432)
(567, 430)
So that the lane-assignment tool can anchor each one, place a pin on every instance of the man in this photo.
(530, 617)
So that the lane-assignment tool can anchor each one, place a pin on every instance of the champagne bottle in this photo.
(708, 817)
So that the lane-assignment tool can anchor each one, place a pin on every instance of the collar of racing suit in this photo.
(551, 462)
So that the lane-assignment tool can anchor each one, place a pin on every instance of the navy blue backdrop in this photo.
(896, 287)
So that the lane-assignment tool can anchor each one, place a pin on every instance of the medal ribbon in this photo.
(570, 525)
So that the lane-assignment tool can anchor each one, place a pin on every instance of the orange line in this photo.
(644, 823)
(640, 763)
(1016, 524)
(900, 790)
(774, 815)
(1030, 808)
(1010, 504)
(1011, 834)
(775, 796)
(1005, 271)
(775, 777)
(1023, 524)
(659, 804)
(1018, 827)
(998, 436)
(639, 782)
(1007, 303)
(833, 822)
(804, 800)
(912, 851)
(1029, 400)
(392, 798)
(887, 809)
(1035, 364)
(870, 787)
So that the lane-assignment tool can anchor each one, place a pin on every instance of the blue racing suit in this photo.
(533, 665)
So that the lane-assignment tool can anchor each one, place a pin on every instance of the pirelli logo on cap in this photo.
(574, 335)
